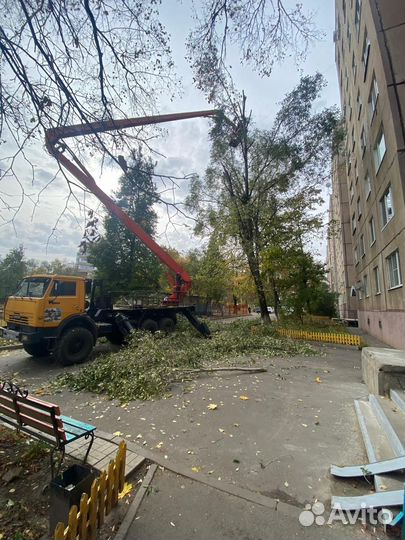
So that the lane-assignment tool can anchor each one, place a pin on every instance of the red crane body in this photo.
(182, 281)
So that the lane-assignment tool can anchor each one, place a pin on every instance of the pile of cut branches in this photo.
(151, 362)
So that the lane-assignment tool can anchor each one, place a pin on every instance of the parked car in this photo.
(269, 309)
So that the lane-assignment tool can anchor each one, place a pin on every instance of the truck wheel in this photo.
(74, 346)
(37, 350)
(167, 325)
(150, 325)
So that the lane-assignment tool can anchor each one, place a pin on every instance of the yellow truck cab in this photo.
(48, 314)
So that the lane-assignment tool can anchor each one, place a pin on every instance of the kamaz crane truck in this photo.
(64, 315)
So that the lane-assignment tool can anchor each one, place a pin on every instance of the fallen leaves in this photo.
(126, 490)
(243, 398)
(118, 434)
(212, 406)
(318, 380)
(196, 469)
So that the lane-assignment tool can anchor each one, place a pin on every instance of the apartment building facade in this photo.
(341, 270)
(369, 44)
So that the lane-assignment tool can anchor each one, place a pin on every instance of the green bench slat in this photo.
(74, 429)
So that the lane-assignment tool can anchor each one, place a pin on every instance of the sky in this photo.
(184, 147)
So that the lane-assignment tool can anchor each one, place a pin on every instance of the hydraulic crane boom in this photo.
(181, 282)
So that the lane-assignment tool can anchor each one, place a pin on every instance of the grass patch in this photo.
(150, 363)
(313, 326)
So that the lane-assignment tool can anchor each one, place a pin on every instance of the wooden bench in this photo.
(41, 420)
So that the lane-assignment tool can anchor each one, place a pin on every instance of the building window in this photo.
(379, 150)
(356, 255)
(365, 286)
(394, 270)
(366, 52)
(371, 225)
(387, 207)
(358, 208)
(351, 191)
(372, 99)
(356, 173)
(354, 66)
(357, 16)
(363, 141)
(367, 185)
(350, 105)
(353, 223)
(362, 250)
(359, 104)
(377, 286)
(353, 140)
(344, 9)
(360, 289)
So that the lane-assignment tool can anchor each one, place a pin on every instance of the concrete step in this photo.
(398, 397)
(377, 443)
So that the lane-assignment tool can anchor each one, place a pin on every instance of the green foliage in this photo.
(12, 270)
(151, 362)
(122, 260)
(210, 271)
(323, 301)
(298, 280)
(310, 325)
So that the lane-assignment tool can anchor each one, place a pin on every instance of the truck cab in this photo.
(42, 302)
(43, 308)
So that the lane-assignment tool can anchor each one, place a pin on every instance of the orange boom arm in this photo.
(181, 282)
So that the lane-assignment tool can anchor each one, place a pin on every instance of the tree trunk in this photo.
(276, 298)
(257, 278)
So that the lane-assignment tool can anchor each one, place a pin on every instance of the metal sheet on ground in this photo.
(378, 467)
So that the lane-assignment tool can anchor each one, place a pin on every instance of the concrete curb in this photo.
(10, 347)
(136, 503)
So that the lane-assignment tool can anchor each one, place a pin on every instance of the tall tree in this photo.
(252, 171)
(121, 259)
